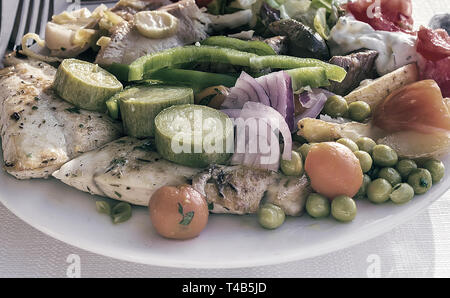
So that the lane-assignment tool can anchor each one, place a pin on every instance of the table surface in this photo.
(418, 248)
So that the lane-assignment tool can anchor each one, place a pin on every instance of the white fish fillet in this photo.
(40, 132)
(127, 44)
(127, 169)
(130, 170)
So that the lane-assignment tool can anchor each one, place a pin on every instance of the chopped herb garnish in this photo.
(187, 218)
(118, 194)
(74, 110)
(15, 116)
(34, 108)
(81, 126)
(29, 155)
(37, 98)
(149, 145)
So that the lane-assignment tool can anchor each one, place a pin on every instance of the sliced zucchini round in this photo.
(85, 85)
(194, 135)
(140, 104)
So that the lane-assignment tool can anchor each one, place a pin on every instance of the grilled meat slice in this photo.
(240, 189)
(359, 66)
(127, 44)
(39, 131)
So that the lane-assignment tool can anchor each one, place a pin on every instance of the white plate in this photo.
(227, 242)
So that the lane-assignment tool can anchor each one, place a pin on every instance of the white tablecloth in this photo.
(418, 248)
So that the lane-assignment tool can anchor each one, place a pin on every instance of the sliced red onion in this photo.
(314, 102)
(268, 122)
(246, 89)
(274, 90)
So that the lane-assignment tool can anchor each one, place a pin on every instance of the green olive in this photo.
(391, 175)
(366, 144)
(343, 208)
(304, 149)
(379, 190)
(436, 169)
(420, 180)
(364, 160)
(336, 106)
(348, 143)
(317, 206)
(359, 111)
(293, 167)
(363, 189)
(271, 216)
(405, 166)
(402, 193)
(384, 156)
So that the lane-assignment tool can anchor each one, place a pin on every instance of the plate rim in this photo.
(326, 247)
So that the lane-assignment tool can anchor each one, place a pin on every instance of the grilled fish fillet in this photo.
(240, 190)
(127, 44)
(130, 170)
(39, 131)
(127, 169)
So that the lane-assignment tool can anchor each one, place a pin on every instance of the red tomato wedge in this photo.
(396, 15)
(440, 72)
(432, 44)
(418, 106)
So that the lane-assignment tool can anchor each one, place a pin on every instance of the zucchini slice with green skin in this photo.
(139, 105)
(194, 135)
(112, 105)
(250, 46)
(85, 85)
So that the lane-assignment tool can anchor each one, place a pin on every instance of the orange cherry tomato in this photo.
(333, 170)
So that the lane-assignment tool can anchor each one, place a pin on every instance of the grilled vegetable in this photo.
(254, 46)
(193, 135)
(140, 105)
(85, 85)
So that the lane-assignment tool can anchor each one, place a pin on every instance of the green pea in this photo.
(293, 167)
(384, 156)
(304, 149)
(402, 193)
(121, 212)
(436, 169)
(348, 143)
(343, 208)
(271, 216)
(373, 173)
(379, 190)
(363, 189)
(366, 144)
(405, 166)
(420, 180)
(391, 175)
(359, 111)
(335, 106)
(317, 206)
(364, 160)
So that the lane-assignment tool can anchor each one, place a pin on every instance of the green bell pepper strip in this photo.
(314, 77)
(250, 46)
(171, 57)
(112, 105)
(197, 80)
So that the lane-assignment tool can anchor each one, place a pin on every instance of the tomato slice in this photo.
(396, 15)
(418, 106)
(432, 44)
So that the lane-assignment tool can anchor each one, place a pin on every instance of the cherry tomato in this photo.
(395, 14)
